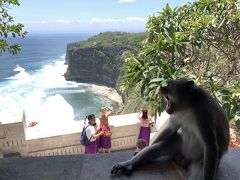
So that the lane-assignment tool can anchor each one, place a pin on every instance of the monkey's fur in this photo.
(196, 136)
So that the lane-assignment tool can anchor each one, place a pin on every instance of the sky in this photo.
(83, 16)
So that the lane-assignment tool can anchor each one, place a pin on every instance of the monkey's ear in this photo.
(189, 85)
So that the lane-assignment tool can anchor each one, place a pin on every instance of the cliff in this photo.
(100, 59)
(99, 65)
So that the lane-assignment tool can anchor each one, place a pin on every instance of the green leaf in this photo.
(8, 27)
(156, 80)
(157, 90)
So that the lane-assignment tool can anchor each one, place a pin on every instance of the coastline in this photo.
(110, 93)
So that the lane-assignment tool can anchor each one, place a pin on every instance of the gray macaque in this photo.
(196, 136)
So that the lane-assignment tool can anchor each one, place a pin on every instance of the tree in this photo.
(199, 40)
(8, 28)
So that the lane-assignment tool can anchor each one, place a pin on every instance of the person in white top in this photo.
(144, 120)
(92, 147)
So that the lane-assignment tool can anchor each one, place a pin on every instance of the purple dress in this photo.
(92, 148)
(144, 133)
(105, 142)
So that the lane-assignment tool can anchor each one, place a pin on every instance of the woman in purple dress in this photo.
(144, 120)
(92, 147)
(105, 139)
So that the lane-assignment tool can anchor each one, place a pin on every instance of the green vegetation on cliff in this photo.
(110, 39)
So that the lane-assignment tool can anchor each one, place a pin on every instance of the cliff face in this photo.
(100, 65)
(99, 59)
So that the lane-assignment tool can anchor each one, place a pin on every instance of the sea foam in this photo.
(21, 75)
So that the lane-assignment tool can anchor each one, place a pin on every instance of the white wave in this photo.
(69, 91)
(38, 94)
(22, 75)
(23, 87)
(54, 110)
(19, 69)
(71, 84)
(51, 75)
(63, 56)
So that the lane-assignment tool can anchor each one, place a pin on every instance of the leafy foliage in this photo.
(199, 40)
(8, 28)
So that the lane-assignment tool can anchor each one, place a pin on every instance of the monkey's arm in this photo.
(170, 130)
(210, 159)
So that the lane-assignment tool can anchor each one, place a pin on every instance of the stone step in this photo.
(98, 166)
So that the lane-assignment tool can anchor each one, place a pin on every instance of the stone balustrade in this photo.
(63, 138)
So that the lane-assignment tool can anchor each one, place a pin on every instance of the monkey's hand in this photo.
(124, 167)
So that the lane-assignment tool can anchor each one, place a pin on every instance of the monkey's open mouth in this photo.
(170, 105)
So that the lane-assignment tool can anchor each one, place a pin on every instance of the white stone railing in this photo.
(64, 139)
(124, 136)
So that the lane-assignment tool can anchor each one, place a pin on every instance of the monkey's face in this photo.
(165, 92)
(176, 94)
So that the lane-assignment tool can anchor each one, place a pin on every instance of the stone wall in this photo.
(13, 138)
(124, 135)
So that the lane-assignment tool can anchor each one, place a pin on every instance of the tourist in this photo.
(92, 147)
(141, 143)
(144, 121)
(105, 139)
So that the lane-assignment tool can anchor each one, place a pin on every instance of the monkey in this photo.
(196, 135)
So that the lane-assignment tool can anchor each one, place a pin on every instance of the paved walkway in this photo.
(91, 167)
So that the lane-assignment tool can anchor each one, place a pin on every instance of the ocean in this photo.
(33, 81)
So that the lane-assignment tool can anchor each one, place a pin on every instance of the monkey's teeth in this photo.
(168, 105)
(166, 98)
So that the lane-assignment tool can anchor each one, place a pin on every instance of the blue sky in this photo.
(77, 16)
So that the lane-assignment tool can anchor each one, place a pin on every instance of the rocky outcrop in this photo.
(100, 59)
(100, 65)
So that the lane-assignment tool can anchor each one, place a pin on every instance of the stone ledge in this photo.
(91, 167)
